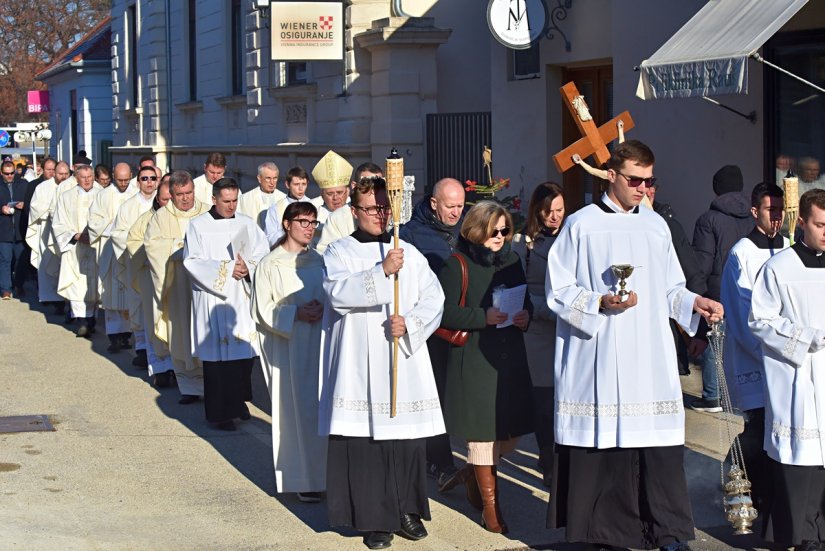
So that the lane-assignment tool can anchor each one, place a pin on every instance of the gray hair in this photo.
(83, 168)
(268, 165)
(180, 178)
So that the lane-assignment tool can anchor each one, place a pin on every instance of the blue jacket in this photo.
(10, 225)
(428, 234)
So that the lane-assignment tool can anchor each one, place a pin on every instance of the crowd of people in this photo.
(376, 353)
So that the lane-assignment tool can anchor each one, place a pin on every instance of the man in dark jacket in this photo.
(695, 281)
(433, 230)
(12, 192)
(728, 220)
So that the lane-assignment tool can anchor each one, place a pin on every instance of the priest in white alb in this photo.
(171, 285)
(39, 232)
(788, 317)
(102, 216)
(161, 368)
(287, 303)
(620, 423)
(376, 464)
(341, 223)
(77, 282)
(127, 215)
(221, 253)
(743, 363)
(256, 202)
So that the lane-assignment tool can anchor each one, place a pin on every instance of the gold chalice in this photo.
(622, 272)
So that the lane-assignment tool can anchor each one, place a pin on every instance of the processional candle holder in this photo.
(791, 184)
(737, 502)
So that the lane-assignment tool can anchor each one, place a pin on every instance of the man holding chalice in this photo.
(620, 422)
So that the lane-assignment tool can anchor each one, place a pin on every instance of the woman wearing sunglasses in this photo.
(488, 383)
(545, 214)
(288, 303)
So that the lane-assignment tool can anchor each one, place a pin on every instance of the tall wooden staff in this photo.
(791, 183)
(395, 190)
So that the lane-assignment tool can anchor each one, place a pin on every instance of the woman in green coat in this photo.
(487, 400)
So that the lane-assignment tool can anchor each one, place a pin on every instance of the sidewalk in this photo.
(129, 469)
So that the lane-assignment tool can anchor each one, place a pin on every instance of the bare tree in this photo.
(32, 34)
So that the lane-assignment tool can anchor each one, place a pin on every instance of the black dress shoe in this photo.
(114, 343)
(378, 540)
(245, 415)
(126, 341)
(412, 527)
(225, 425)
(188, 399)
(163, 380)
(140, 359)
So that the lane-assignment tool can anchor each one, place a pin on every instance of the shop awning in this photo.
(708, 56)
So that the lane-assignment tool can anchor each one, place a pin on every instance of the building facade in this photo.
(426, 76)
(79, 83)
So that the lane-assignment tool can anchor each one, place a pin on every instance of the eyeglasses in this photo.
(146, 179)
(8, 174)
(504, 232)
(635, 181)
(376, 210)
(306, 223)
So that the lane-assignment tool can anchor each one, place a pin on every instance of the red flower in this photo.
(517, 203)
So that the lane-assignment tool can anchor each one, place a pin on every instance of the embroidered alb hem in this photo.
(639, 409)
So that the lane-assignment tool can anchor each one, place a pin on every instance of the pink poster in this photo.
(38, 101)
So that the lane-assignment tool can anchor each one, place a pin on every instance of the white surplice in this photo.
(616, 379)
(290, 351)
(339, 223)
(356, 350)
(742, 351)
(102, 216)
(222, 324)
(78, 261)
(788, 317)
(38, 233)
(255, 203)
(127, 215)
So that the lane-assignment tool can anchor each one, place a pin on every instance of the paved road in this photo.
(130, 469)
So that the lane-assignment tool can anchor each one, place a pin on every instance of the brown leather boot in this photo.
(468, 477)
(491, 517)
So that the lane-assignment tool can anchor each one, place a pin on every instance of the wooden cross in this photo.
(595, 139)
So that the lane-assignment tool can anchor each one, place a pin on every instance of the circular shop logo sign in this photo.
(516, 23)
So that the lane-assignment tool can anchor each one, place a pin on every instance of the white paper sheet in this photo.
(509, 301)
(240, 244)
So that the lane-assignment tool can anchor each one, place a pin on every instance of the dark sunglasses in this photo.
(8, 173)
(635, 181)
(505, 231)
(148, 178)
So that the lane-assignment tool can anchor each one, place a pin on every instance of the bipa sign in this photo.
(303, 31)
(38, 101)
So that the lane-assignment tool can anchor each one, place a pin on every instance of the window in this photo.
(133, 55)
(526, 63)
(237, 41)
(192, 36)
(296, 73)
(795, 112)
(74, 144)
